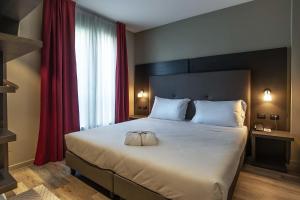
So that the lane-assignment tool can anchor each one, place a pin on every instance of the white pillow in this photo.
(220, 113)
(171, 109)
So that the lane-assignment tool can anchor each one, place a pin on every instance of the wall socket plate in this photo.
(274, 117)
(142, 107)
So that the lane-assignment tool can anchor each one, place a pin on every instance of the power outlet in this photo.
(274, 117)
(260, 116)
(142, 107)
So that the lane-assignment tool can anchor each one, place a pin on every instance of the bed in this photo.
(191, 161)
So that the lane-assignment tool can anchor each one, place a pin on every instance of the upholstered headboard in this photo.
(215, 86)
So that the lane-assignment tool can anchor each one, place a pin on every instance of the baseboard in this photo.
(294, 167)
(21, 164)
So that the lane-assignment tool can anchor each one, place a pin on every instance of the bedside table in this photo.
(133, 117)
(271, 150)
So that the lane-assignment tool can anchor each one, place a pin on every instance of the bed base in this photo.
(121, 186)
(102, 177)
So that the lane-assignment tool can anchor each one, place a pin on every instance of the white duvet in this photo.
(191, 162)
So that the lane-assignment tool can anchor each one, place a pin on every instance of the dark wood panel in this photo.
(142, 73)
(269, 69)
(166, 68)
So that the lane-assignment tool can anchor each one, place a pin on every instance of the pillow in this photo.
(171, 109)
(220, 113)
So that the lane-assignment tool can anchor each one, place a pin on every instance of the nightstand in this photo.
(271, 150)
(133, 117)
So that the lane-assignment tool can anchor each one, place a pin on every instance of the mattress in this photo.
(192, 161)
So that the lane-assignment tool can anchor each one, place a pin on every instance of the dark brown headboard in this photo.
(269, 69)
(215, 86)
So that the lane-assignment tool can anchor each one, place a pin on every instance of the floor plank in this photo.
(259, 184)
(253, 184)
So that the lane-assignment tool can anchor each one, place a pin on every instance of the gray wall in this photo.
(295, 77)
(261, 24)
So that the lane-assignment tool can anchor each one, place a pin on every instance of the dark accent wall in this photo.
(269, 69)
(142, 74)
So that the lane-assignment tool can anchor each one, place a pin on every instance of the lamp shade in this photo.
(267, 95)
(140, 94)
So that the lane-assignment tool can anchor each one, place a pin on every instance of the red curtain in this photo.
(59, 98)
(122, 96)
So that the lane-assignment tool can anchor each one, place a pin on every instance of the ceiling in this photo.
(140, 15)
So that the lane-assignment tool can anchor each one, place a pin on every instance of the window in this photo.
(96, 45)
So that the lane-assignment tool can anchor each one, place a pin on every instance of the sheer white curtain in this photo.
(96, 46)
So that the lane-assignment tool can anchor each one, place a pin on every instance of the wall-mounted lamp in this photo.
(142, 103)
(141, 94)
(267, 95)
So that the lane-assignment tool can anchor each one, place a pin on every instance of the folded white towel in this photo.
(141, 138)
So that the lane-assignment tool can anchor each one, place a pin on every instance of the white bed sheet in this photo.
(191, 162)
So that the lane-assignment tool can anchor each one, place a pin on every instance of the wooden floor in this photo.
(254, 183)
